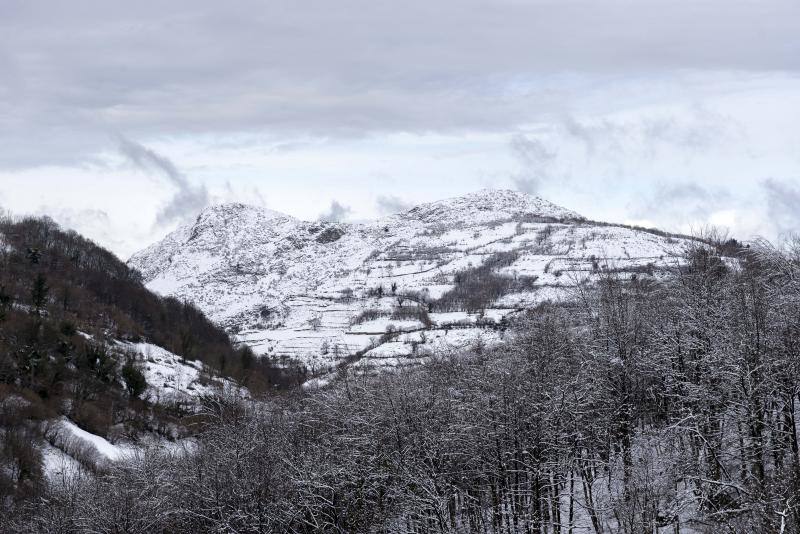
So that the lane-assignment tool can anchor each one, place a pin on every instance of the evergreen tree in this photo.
(5, 303)
(39, 291)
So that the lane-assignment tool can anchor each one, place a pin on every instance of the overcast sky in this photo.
(123, 119)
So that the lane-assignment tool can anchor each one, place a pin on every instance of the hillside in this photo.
(384, 293)
(649, 405)
(92, 363)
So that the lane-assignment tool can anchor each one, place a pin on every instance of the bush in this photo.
(134, 379)
(417, 313)
(367, 315)
(329, 235)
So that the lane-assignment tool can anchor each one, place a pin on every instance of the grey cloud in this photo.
(256, 194)
(783, 205)
(346, 68)
(337, 212)
(535, 159)
(677, 203)
(389, 205)
(526, 184)
(700, 130)
(694, 130)
(187, 200)
(605, 133)
(150, 160)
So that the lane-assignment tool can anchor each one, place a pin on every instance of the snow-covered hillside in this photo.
(172, 383)
(383, 293)
(172, 380)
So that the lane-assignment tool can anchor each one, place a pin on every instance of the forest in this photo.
(641, 405)
(65, 304)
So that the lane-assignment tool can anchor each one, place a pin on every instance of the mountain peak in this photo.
(490, 204)
(237, 210)
(220, 221)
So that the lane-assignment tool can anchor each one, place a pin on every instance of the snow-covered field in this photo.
(318, 292)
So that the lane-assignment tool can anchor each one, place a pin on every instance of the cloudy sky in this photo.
(123, 119)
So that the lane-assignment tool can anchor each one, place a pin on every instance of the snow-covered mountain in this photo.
(377, 294)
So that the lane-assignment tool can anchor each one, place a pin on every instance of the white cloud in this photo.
(608, 104)
(389, 205)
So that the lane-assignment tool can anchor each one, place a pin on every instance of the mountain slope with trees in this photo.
(83, 342)
(638, 405)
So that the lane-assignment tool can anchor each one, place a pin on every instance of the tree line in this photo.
(642, 405)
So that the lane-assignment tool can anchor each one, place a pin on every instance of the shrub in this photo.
(367, 315)
(329, 235)
(132, 375)
(417, 313)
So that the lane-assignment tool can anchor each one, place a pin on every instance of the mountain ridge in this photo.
(318, 292)
(493, 203)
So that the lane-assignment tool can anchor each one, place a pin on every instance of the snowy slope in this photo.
(297, 289)
(172, 380)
